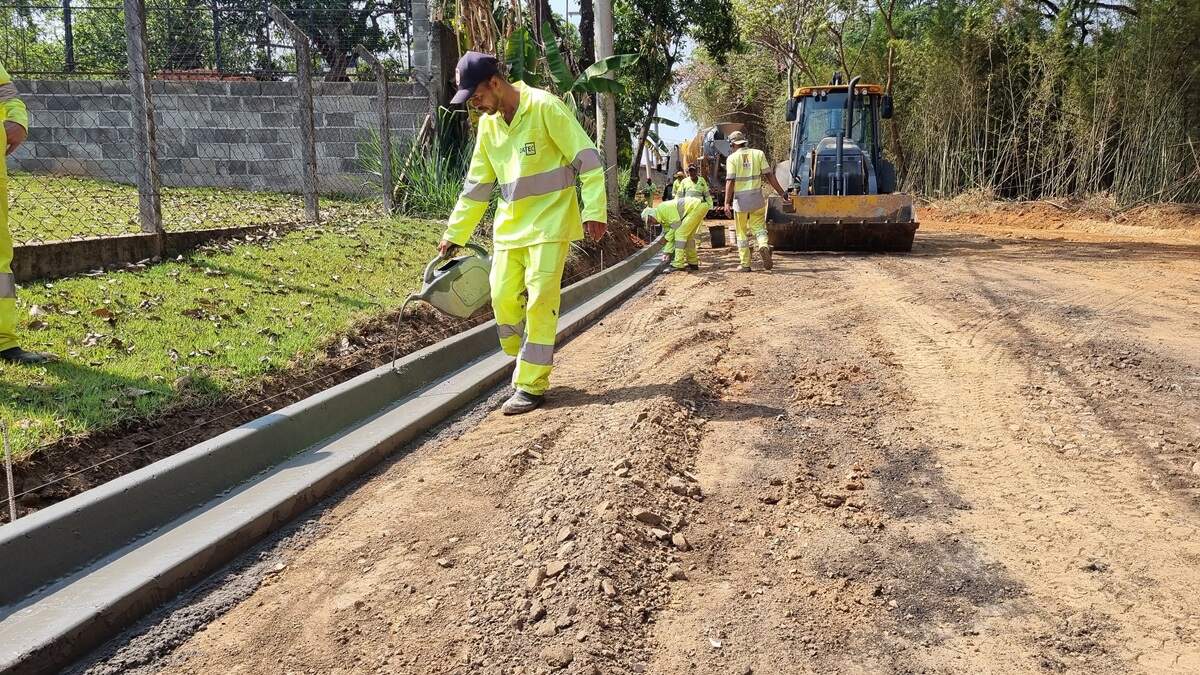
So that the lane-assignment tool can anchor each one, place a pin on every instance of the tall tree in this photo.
(659, 30)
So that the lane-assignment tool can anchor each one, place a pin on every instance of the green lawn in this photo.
(133, 342)
(44, 207)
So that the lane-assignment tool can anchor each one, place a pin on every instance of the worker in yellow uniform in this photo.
(529, 147)
(677, 185)
(16, 123)
(745, 171)
(695, 186)
(680, 218)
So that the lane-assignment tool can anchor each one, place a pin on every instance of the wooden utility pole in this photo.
(606, 110)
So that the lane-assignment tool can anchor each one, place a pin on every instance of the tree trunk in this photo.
(606, 121)
(587, 34)
(634, 169)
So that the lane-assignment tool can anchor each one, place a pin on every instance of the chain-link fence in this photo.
(185, 115)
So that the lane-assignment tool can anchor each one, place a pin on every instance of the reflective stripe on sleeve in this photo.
(586, 160)
(507, 330)
(8, 286)
(538, 355)
(480, 192)
(680, 210)
(542, 183)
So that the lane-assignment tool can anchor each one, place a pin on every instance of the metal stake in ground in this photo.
(12, 500)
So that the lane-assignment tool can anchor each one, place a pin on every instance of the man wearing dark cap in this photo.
(531, 148)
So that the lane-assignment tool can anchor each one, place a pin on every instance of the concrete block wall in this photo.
(211, 134)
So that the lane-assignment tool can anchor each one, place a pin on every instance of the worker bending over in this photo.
(530, 146)
(16, 122)
(745, 170)
(679, 218)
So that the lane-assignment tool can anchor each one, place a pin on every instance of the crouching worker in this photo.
(529, 147)
(679, 218)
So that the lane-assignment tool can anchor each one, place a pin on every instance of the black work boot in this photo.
(521, 402)
(693, 267)
(18, 355)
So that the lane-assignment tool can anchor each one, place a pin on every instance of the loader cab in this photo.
(819, 124)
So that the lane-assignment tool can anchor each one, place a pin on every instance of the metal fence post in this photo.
(145, 145)
(305, 116)
(385, 129)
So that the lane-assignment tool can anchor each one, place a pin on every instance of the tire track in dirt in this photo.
(1108, 559)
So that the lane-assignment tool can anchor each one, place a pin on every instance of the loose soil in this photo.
(980, 457)
(73, 465)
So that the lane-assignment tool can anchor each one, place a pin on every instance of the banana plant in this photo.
(521, 56)
(593, 80)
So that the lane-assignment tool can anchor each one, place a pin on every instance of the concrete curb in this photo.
(78, 572)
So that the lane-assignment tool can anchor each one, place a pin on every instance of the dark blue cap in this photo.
(473, 69)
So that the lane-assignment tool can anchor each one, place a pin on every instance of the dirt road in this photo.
(981, 457)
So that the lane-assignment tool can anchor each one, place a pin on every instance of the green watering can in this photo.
(457, 286)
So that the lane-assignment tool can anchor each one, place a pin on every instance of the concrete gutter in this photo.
(78, 572)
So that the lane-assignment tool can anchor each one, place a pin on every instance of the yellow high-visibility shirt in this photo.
(671, 213)
(697, 188)
(534, 161)
(747, 168)
(10, 102)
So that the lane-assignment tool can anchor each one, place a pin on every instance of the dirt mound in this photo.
(1089, 219)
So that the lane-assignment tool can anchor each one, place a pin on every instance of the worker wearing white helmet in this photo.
(745, 171)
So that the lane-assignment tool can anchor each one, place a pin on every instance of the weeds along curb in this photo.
(79, 571)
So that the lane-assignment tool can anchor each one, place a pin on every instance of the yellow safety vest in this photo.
(671, 213)
(697, 188)
(535, 161)
(747, 168)
(13, 106)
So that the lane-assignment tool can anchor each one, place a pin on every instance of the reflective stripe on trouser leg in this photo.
(8, 289)
(693, 257)
(508, 297)
(758, 225)
(543, 286)
(741, 222)
(685, 236)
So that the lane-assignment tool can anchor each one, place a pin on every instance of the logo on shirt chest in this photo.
(529, 149)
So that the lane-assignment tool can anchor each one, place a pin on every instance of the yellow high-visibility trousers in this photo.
(747, 223)
(8, 285)
(685, 237)
(526, 293)
(669, 241)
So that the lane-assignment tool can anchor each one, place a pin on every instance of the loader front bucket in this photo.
(842, 223)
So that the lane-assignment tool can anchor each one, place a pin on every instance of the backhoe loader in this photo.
(841, 190)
